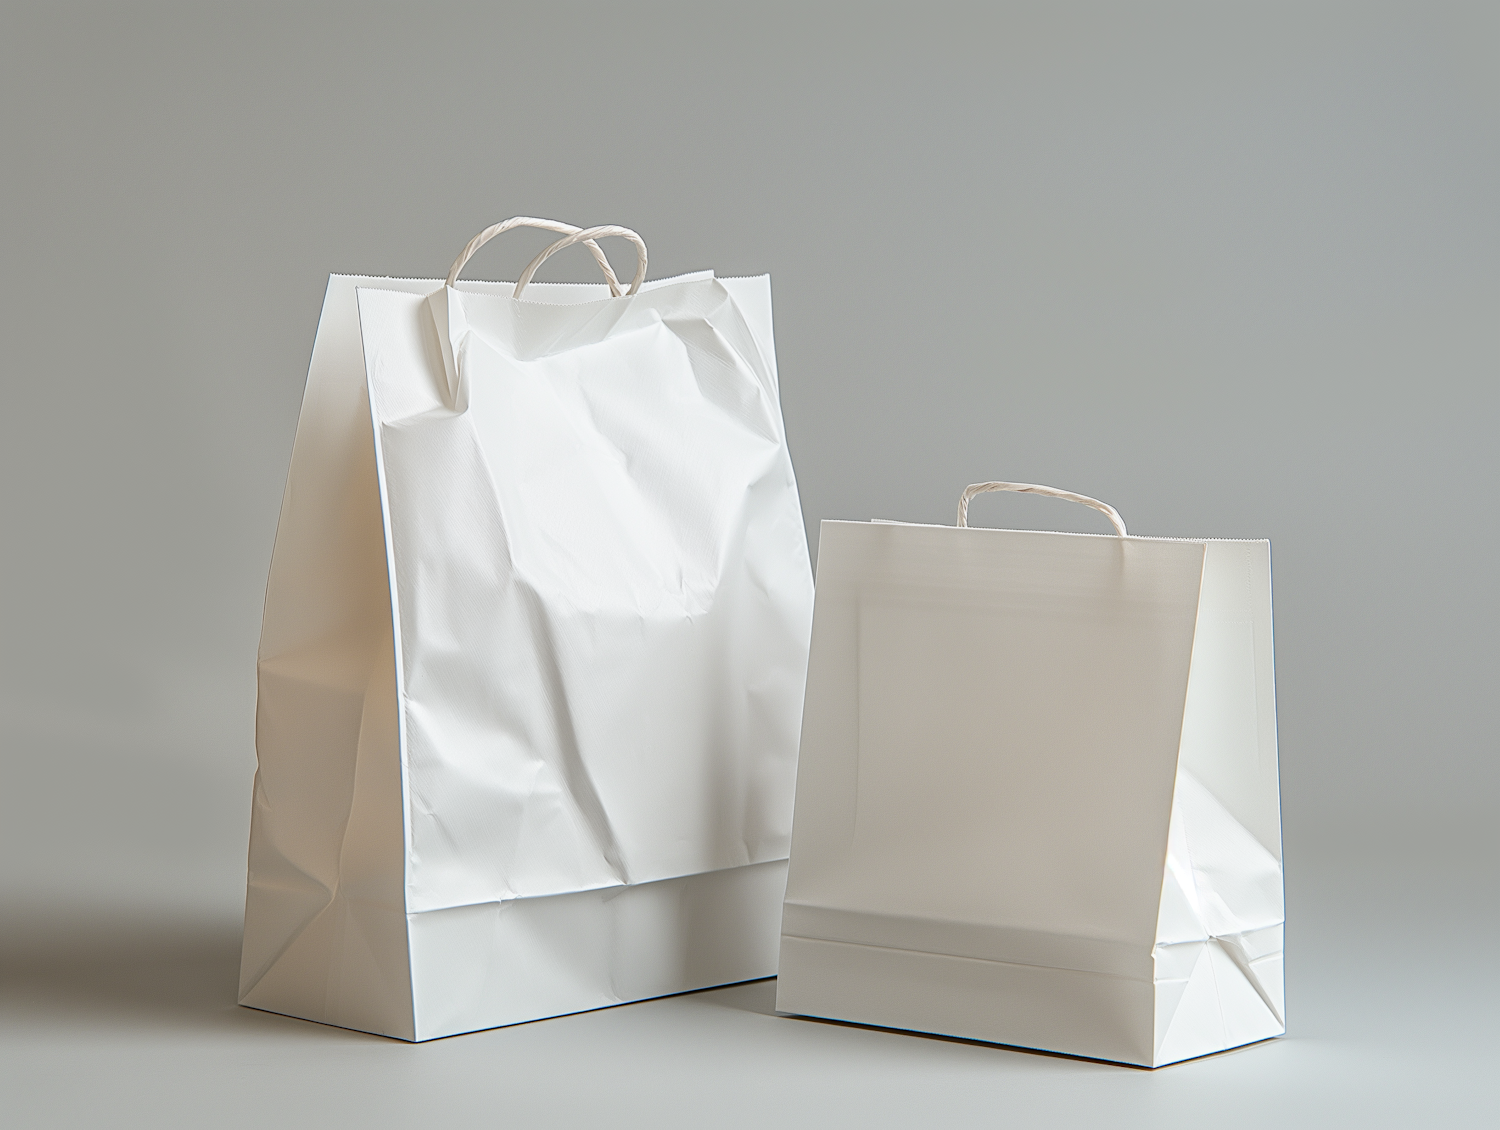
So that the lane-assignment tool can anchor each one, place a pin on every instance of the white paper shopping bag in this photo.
(1037, 800)
(533, 657)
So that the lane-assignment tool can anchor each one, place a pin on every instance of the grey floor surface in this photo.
(119, 982)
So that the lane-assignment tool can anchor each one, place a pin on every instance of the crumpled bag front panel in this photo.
(602, 584)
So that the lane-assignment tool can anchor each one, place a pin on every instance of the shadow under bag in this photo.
(1037, 800)
(533, 656)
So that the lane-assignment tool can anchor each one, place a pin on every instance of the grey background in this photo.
(1232, 267)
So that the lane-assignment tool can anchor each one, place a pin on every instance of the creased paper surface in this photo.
(531, 669)
(602, 588)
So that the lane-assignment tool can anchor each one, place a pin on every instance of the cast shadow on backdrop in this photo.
(111, 972)
(182, 976)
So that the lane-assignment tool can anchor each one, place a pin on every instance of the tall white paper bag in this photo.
(533, 655)
(1037, 800)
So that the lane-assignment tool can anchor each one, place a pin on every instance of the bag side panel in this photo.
(1229, 722)
(753, 297)
(1218, 955)
(325, 927)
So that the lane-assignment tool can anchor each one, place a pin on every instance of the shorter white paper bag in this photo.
(1037, 797)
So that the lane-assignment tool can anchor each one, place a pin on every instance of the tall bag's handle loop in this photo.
(1031, 488)
(588, 235)
(503, 226)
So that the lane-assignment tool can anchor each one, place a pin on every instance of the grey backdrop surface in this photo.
(1232, 267)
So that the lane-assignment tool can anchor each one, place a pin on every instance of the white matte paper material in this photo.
(533, 657)
(1037, 801)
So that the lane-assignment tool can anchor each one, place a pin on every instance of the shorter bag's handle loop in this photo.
(503, 226)
(1031, 488)
(587, 235)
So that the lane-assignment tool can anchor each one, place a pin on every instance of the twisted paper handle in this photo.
(1031, 488)
(569, 230)
(588, 235)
